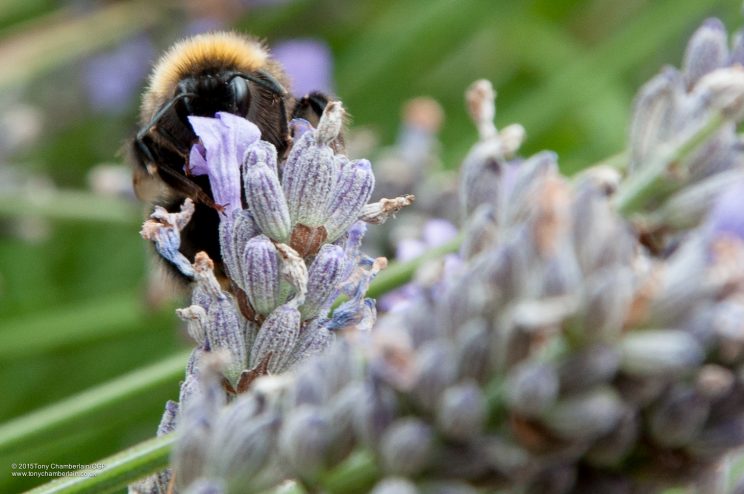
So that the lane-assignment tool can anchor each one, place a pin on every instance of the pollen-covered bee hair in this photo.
(203, 75)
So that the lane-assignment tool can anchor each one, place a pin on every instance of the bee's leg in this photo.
(310, 107)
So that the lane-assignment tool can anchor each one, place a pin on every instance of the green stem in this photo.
(116, 471)
(90, 402)
(398, 274)
(355, 475)
(32, 48)
(93, 320)
(70, 205)
(646, 183)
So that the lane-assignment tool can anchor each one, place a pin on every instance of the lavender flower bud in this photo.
(480, 231)
(342, 410)
(264, 195)
(189, 456)
(585, 416)
(599, 238)
(462, 412)
(350, 194)
(224, 332)
(394, 485)
(529, 179)
(588, 367)
(717, 438)
(482, 172)
(313, 339)
(261, 274)
(324, 276)
(614, 446)
(405, 447)
(473, 352)
(610, 293)
(655, 116)
(659, 352)
(678, 418)
(235, 231)
(310, 174)
(436, 370)
(503, 456)
(243, 443)
(374, 412)
(706, 51)
(531, 387)
(294, 272)
(304, 441)
(277, 338)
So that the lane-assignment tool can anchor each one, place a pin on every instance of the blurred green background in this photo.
(76, 307)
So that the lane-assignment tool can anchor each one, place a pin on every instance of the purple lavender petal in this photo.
(198, 160)
(352, 191)
(299, 127)
(308, 63)
(225, 139)
(261, 274)
(409, 248)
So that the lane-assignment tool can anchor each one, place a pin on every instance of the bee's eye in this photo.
(241, 95)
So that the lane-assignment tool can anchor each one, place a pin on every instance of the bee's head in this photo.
(208, 93)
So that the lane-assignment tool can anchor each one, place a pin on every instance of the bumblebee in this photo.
(201, 76)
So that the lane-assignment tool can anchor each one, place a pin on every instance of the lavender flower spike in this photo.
(224, 141)
(264, 194)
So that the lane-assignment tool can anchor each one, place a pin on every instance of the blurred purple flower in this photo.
(114, 78)
(727, 215)
(434, 233)
(201, 25)
(308, 63)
